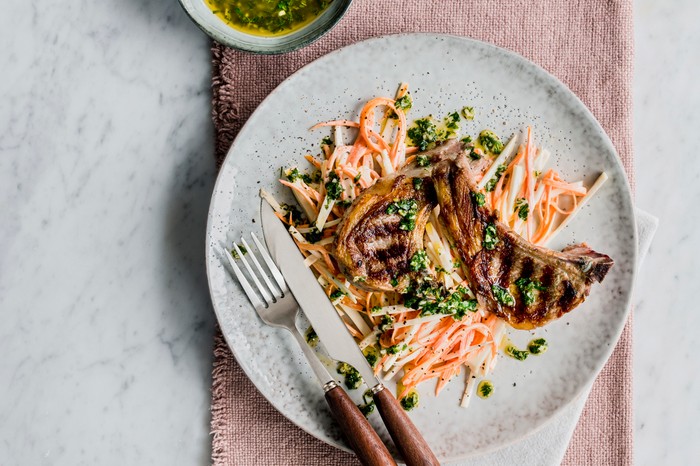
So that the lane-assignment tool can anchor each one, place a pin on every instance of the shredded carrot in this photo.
(347, 123)
(417, 347)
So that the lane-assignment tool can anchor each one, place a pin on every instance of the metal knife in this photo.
(340, 345)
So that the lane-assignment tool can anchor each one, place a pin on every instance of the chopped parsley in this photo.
(484, 389)
(490, 237)
(515, 353)
(424, 133)
(368, 403)
(479, 199)
(311, 337)
(353, 379)
(375, 309)
(407, 209)
(371, 355)
(423, 160)
(522, 208)
(396, 349)
(527, 288)
(451, 124)
(293, 174)
(337, 294)
(417, 183)
(333, 187)
(357, 177)
(243, 250)
(537, 346)
(293, 210)
(474, 154)
(394, 281)
(468, 113)
(313, 236)
(437, 300)
(386, 322)
(466, 139)
(419, 261)
(491, 185)
(490, 141)
(404, 103)
(502, 295)
(410, 401)
(366, 408)
(327, 141)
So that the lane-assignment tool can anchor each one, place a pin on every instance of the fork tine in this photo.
(266, 296)
(242, 280)
(270, 264)
(261, 271)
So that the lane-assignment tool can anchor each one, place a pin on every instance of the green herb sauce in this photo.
(267, 17)
(243, 250)
(367, 407)
(527, 288)
(522, 208)
(407, 209)
(537, 346)
(489, 141)
(490, 237)
(515, 353)
(491, 185)
(311, 337)
(431, 300)
(502, 295)
(410, 401)
(419, 261)
(484, 389)
(333, 187)
(371, 355)
(353, 379)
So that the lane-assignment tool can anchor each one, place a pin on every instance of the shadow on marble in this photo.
(163, 13)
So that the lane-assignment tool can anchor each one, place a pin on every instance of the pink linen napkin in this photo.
(586, 44)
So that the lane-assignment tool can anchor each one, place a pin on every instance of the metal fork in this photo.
(279, 308)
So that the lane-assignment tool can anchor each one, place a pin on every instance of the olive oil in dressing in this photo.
(484, 389)
(267, 17)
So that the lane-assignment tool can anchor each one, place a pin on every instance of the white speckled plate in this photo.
(445, 73)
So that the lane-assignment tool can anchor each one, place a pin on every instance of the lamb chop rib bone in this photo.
(375, 252)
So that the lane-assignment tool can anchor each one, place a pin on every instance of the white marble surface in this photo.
(105, 177)
(667, 315)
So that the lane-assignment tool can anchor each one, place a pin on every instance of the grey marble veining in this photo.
(105, 177)
(106, 169)
(666, 95)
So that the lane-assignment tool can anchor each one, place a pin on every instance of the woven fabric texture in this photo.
(588, 45)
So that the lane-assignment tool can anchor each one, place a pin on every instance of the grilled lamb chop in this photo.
(379, 234)
(524, 284)
(374, 247)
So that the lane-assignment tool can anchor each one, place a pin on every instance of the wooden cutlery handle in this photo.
(407, 438)
(357, 430)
